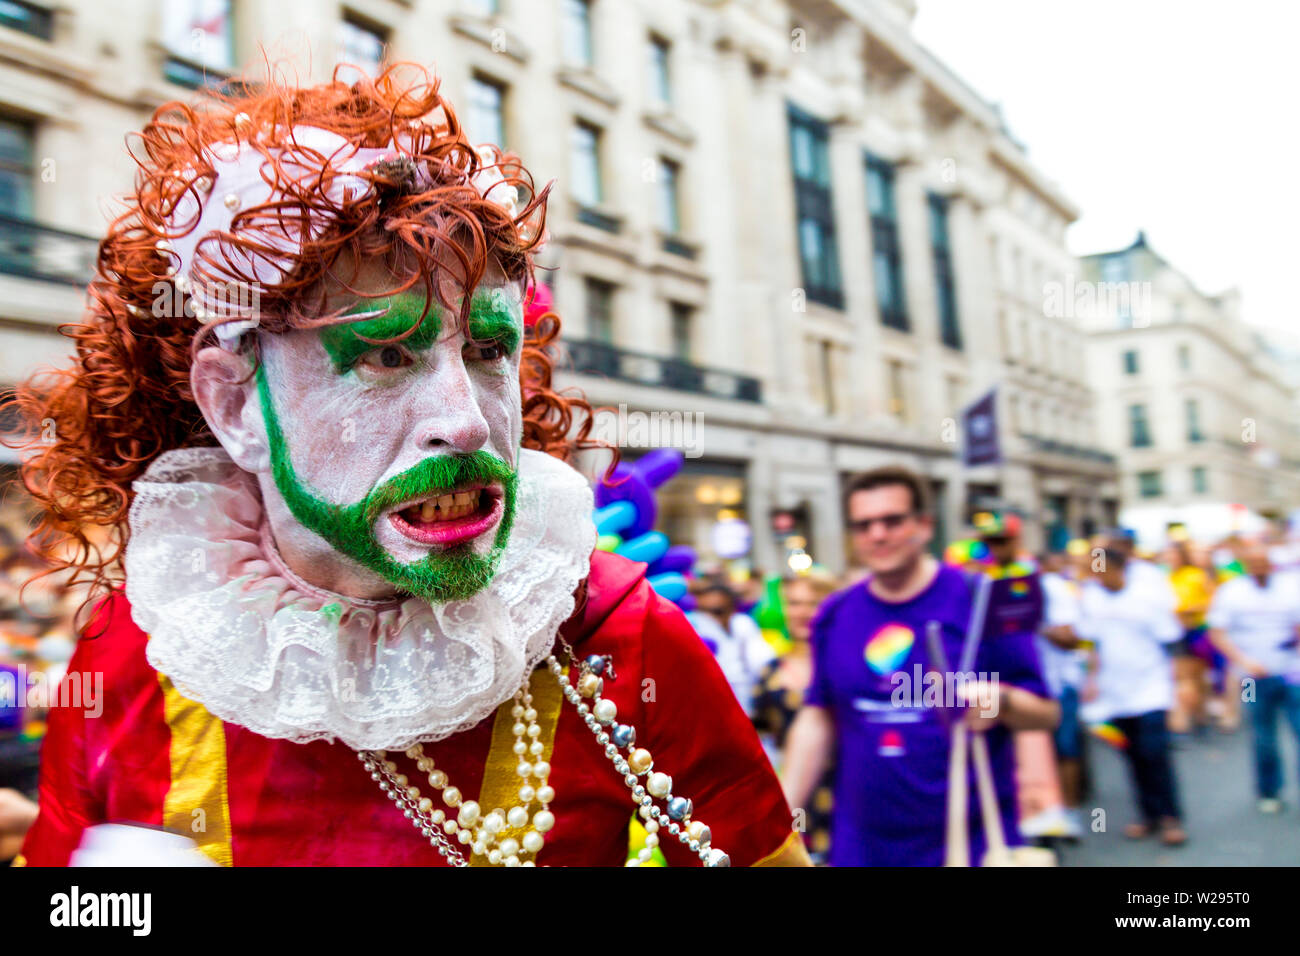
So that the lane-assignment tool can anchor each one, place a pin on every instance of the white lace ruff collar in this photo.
(239, 633)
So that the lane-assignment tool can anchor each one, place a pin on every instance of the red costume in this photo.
(154, 757)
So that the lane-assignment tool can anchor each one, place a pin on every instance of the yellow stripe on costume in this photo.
(198, 801)
(501, 784)
(19, 860)
(790, 853)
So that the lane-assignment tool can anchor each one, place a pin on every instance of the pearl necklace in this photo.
(484, 834)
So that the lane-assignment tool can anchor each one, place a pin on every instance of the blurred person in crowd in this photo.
(1042, 807)
(749, 592)
(869, 641)
(781, 689)
(1222, 705)
(1254, 620)
(1140, 572)
(1000, 533)
(17, 814)
(1193, 589)
(1064, 665)
(735, 639)
(1225, 557)
(1132, 686)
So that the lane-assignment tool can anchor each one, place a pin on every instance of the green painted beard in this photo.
(451, 575)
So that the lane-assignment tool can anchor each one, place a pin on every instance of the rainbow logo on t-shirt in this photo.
(888, 648)
(1019, 588)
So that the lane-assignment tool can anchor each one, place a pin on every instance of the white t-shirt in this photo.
(1261, 621)
(742, 652)
(1061, 668)
(1129, 628)
(1153, 579)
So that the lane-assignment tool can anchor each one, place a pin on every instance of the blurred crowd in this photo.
(37, 637)
(1141, 651)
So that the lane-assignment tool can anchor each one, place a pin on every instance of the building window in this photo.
(1139, 433)
(897, 390)
(1115, 271)
(826, 375)
(669, 201)
(31, 18)
(361, 45)
(886, 259)
(17, 169)
(600, 310)
(1130, 362)
(1185, 358)
(1149, 485)
(661, 91)
(683, 330)
(485, 119)
(945, 292)
(585, 165)
(577, 33)
(1193, 411)
(1200, 480)
(818, 253)
(199, 37)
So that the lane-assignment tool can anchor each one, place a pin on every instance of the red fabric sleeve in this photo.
(699, 735)
(67, 803)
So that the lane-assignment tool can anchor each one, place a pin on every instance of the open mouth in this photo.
(450, 518)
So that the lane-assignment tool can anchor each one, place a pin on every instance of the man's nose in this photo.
(451, 418)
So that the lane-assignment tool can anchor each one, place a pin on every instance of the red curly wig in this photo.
(92, 429)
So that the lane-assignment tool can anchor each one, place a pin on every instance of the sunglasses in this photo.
(891, 522)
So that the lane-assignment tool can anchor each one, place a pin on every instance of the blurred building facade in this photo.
(1200, 410)
(784, 235)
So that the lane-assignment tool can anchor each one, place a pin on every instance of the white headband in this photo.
(238, 183)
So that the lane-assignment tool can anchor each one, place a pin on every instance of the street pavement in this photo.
(1216, 780)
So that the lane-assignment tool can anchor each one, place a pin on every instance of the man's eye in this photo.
(488, 353)
(386, 356)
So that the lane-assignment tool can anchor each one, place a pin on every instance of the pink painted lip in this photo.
(456, 531)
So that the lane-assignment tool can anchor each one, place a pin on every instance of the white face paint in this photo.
(352, 416)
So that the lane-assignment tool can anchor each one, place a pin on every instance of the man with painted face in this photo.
(350, 610)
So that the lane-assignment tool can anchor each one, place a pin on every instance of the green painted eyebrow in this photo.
(347, 341)
(491, 319)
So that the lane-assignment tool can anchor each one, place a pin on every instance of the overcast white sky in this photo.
(1180, 117)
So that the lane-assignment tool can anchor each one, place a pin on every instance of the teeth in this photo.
(449, 507)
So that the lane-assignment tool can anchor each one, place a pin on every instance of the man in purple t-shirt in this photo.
(877, 702)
